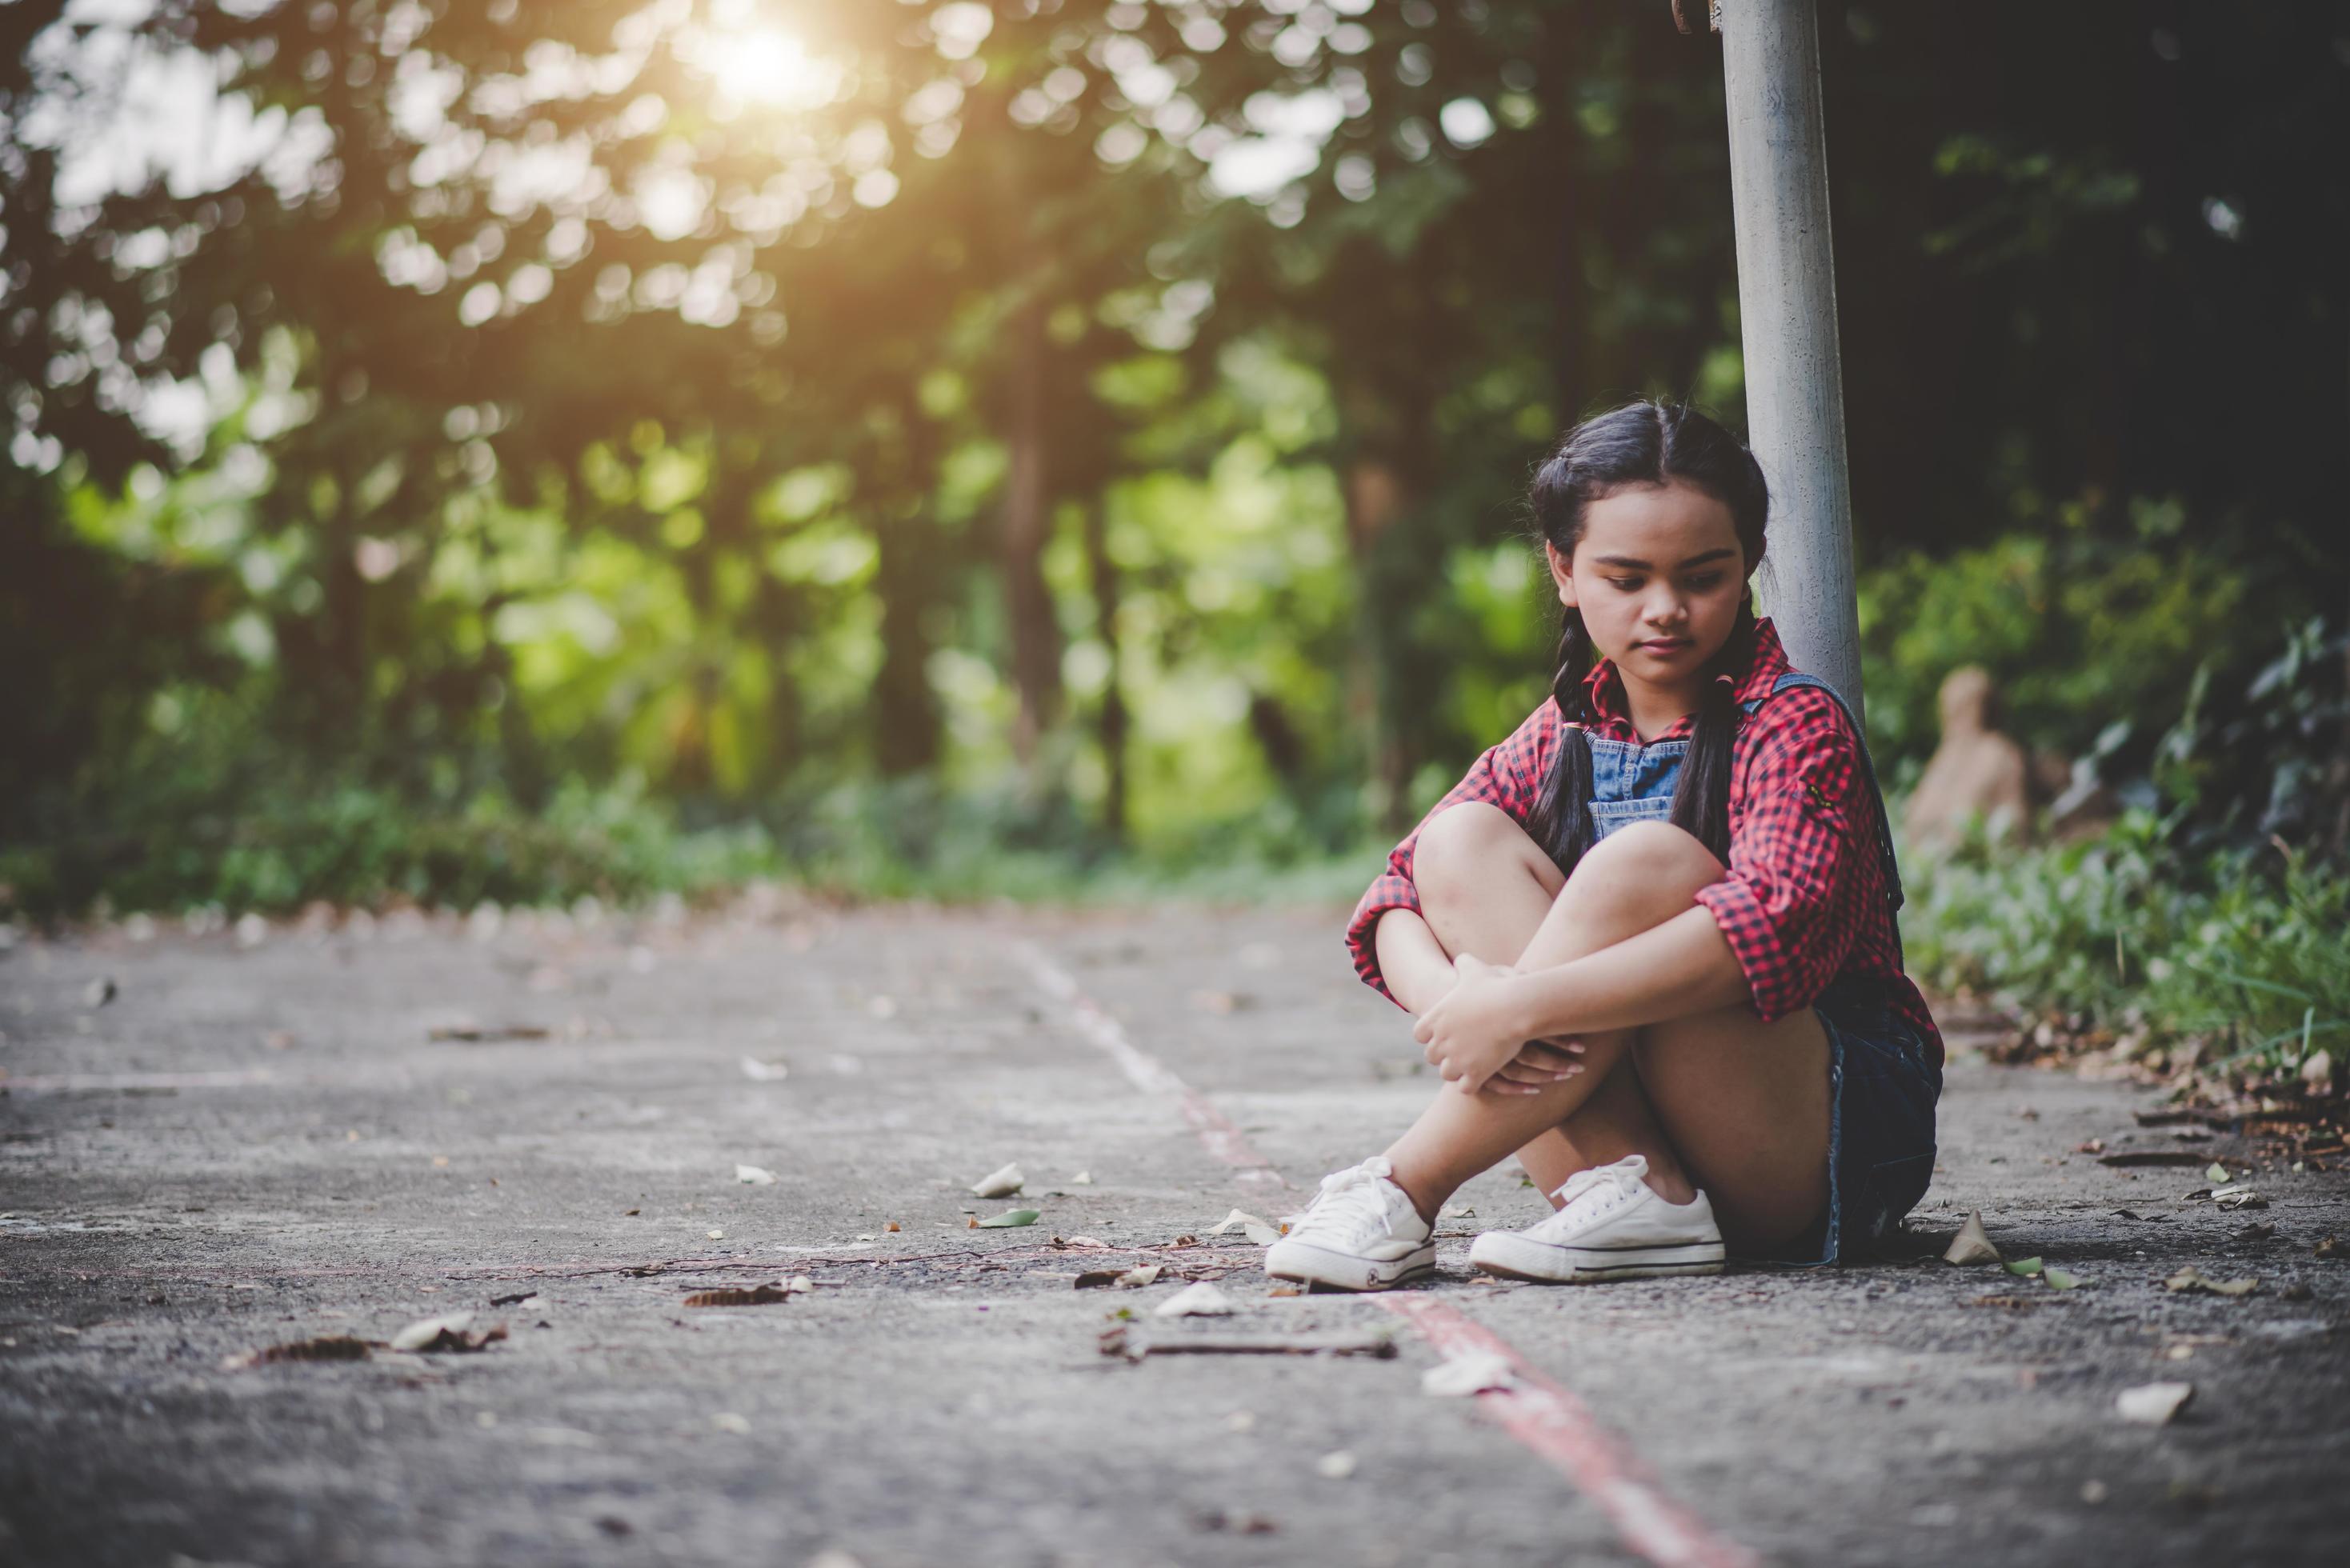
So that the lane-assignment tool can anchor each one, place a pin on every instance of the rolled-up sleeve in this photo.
(1509, 777)
(1799, 856)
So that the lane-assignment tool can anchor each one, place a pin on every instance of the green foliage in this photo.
(885, 418)
(2240, 953)
(2077, 633)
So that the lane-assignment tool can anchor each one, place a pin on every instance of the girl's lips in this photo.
(1661, 646)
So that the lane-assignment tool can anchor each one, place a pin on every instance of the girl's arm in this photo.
(1416, 969)
(1682, 967)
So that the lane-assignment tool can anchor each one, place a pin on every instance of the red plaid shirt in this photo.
(1804, 897)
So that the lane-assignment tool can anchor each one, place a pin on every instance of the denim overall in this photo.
(1881, 1085)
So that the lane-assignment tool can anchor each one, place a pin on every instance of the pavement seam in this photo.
(1147, 1073)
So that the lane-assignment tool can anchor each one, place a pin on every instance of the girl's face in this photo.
(1658, 575)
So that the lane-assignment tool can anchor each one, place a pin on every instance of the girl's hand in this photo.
(1468, 1035)
(1538, 1064)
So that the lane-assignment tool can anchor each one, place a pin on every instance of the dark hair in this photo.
(1645, 443)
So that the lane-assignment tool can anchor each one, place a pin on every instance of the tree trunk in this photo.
(1026, 525)
(1110, 720)
(906, 717)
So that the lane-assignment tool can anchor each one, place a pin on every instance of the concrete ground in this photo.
(254, 1142)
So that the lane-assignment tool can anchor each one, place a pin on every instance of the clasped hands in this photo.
(1471, 1040)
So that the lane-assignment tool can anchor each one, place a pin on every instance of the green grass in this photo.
(2237, 961)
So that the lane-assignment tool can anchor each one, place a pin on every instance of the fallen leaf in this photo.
(1335, 1467)
(2216, 1173)
(1007, 1220)
(2023, 1268)
(2094, 1146)
(2328, 1247)
(1249, 1225)
(2190, 1278)
(757, 1295)
(760, 1072)
(1081, 1243)
(729, 1421)
(1095, 1279)
(2062, 1280)
(1461, 1376)
(1001, 1184)
(1142, 1274)
(2238, 1198)
(1082, 1178)
(453, 1333)
(892, 1226)
(751, 1176)
(1203, 1299)
(1971, 1245)
(2153, 1403)
(326, 1347)
(716, 1235)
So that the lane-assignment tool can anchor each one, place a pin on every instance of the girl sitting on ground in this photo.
(1650, 936)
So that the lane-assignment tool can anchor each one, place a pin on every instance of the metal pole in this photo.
(1786, 306)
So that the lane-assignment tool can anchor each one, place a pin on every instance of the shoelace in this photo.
(1625, 1182)
(1345, 1202)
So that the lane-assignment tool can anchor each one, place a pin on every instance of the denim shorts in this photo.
(1881, 1092)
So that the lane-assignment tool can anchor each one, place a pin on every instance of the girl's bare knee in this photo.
(1461, 844)
(1649, 851)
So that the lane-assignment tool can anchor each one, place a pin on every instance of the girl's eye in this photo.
(1708, 580)
(1625, 584)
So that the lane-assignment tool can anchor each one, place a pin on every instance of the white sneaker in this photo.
(1359, 1233)
(1610, 1225)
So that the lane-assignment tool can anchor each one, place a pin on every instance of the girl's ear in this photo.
(1562, 572)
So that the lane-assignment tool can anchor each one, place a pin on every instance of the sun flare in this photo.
(767, 66)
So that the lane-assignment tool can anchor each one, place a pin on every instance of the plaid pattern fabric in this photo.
(1804, 899)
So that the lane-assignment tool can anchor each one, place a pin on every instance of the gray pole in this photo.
(1786, 308)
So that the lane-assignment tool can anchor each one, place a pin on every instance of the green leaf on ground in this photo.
(2061, 1278)
(2024, 1267)
(2216, 1172)
(1009, 1218)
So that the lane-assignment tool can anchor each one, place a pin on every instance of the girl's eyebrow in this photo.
(1639, 565)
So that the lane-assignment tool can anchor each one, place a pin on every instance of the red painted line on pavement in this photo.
(1553, 1423)
(1147, 1073)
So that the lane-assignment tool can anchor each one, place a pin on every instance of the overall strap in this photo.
(1796, 678)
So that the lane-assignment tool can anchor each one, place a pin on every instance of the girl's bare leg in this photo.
(1721, 1099)
(1485, 889)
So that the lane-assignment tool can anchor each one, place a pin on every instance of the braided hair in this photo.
(1646, 442)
